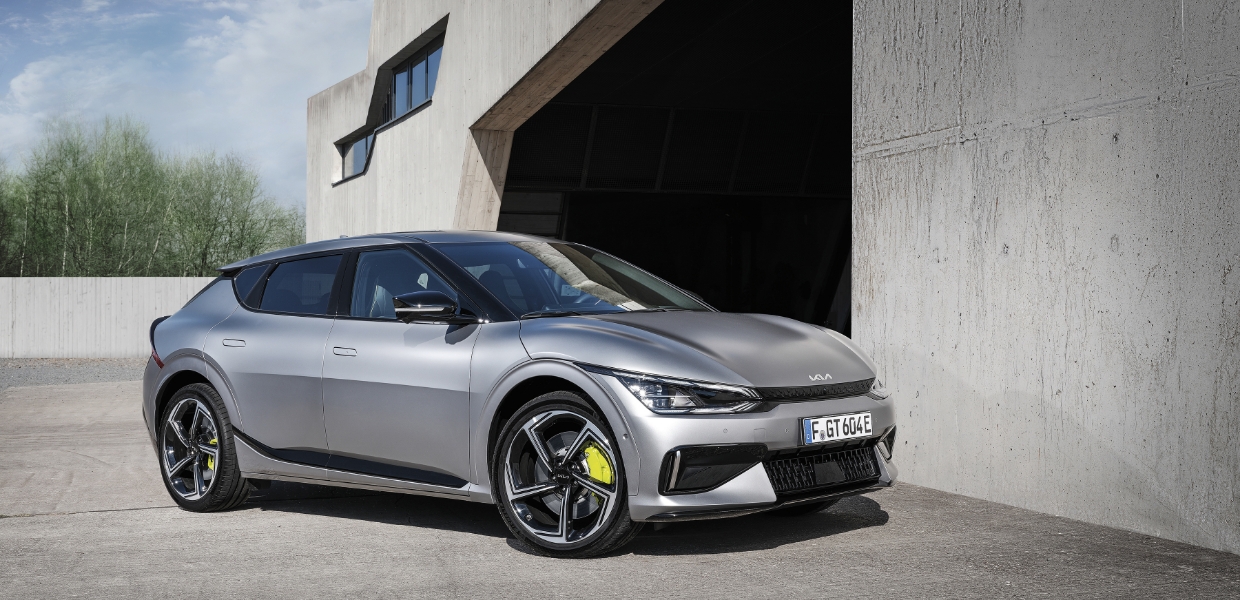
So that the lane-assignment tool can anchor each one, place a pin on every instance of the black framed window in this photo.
(246, 280)
(381, 275)
(356, 154)
(302, 287)
(413, 83)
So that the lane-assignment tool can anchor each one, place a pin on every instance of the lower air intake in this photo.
(821, 469)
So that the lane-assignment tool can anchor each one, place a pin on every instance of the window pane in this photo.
(347, 170)
(419, 83)
(301, 286)
(384, 274)
(245, 280)
(432, 67)
(400, 94)
(361, 149)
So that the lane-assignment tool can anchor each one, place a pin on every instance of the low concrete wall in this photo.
(86, 317)
(1046, 226)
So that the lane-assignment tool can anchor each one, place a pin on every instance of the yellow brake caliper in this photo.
(211, 459)
(597, 465)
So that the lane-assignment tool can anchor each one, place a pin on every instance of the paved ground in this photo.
(18, 372)
(87, 515)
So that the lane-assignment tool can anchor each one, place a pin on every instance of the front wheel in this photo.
(559, 479)
(196, 453)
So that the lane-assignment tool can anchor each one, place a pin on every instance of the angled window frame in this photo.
(426, 52)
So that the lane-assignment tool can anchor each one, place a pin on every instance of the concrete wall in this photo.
(1046, 200)
(86, 317)
(501, 62)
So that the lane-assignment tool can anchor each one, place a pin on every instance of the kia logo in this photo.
(823, 377)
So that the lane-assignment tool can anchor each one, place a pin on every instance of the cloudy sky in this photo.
(230, 76)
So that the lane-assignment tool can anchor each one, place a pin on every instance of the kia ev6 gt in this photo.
(580, 394)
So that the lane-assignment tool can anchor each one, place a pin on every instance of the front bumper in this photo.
(656, 435)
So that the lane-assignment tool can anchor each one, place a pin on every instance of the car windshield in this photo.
(555, 278)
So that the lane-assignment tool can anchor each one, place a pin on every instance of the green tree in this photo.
(101, 200)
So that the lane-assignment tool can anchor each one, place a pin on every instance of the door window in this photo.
(301, 286)
(384, 274)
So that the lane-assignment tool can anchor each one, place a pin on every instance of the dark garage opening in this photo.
(711, 146)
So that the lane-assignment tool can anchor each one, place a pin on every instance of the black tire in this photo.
(608, 527)
(808, 508)
(199, 481)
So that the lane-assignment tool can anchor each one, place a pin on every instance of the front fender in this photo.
(611, 410)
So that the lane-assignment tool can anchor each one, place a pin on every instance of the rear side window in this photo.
(246, 280)
(301, 286)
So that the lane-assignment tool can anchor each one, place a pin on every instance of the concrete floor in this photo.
(86, 514)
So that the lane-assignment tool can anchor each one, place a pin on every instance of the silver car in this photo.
(579, 393)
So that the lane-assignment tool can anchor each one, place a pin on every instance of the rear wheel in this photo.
(196, 453)
(559, 479)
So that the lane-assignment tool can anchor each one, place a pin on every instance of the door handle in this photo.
(338, 351)
(234, 343)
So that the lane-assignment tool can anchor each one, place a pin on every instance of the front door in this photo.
(396, 395)
(273, 357)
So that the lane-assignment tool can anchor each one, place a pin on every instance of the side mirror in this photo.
(429, 307)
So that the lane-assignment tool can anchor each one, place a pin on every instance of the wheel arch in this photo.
(522, 393)
(534, 378)
(173, 383)
(185, 369)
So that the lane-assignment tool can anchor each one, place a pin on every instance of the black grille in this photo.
(822, 469)
(817, 392)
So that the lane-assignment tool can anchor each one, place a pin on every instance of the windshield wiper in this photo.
(659, 309)
(538, 314)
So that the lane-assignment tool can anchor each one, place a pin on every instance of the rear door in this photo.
(396, 395)
(271, 351)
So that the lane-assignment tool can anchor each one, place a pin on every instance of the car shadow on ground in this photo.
(379, 507)
(719, 536)
(762, 531)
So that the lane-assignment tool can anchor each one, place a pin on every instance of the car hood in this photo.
(743, 349)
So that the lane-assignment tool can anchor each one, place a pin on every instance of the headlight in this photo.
(676, 397)
(878, 391)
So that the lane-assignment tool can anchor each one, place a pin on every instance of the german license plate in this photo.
(818, 430)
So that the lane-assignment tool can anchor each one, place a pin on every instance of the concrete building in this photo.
(1027, 211)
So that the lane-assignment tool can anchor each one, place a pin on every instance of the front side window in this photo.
(538, 277)
(385, 274)
(301, 286)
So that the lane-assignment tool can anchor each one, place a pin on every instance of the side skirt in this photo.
(255, 464)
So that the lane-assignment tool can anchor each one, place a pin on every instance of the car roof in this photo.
(374, 239)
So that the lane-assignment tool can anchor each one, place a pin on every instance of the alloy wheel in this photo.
(190, 448)
(561, 478)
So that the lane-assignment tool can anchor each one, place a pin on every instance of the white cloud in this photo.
(233, 82)
(94, 5)
(266, 63)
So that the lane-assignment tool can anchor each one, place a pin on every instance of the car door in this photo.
(396, 395)
(271, 351)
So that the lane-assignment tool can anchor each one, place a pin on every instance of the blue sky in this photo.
(229, 76)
